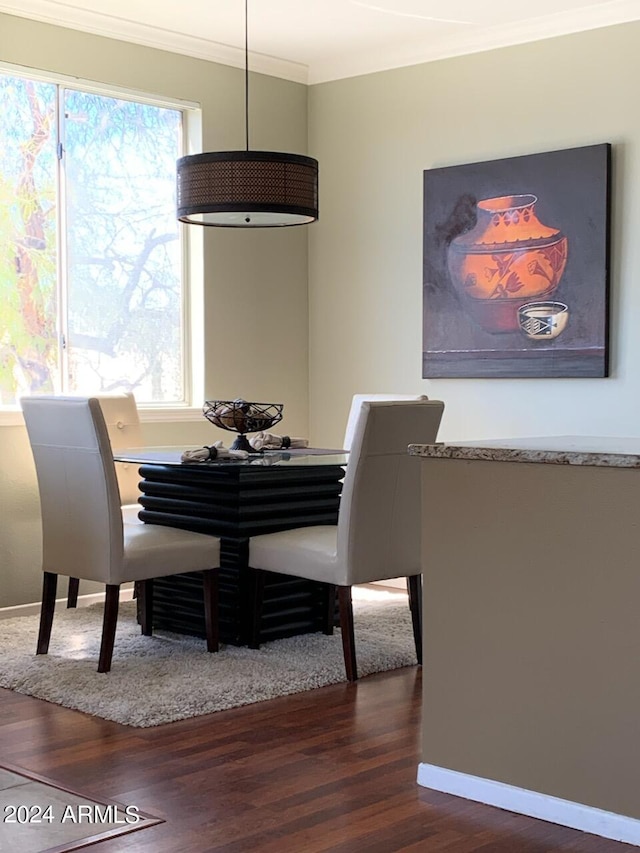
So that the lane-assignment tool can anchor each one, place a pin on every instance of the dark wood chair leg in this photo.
(257, 579)
(137, 597)
(330, 609)
(72, 593)
(414, 588)
(144, 606)
(210, 588)
(109, 626)
(49, 586)
(348, 635)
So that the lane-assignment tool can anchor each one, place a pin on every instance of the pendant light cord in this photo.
(246, 71)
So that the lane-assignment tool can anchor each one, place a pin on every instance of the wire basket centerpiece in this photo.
(242, 417)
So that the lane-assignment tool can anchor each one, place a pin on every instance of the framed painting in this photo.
(516, 266)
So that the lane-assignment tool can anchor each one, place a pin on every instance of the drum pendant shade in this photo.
(247, 189)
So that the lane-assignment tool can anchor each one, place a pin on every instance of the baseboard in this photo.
(531, 803)
(394, 584)
(382, 586)
(61, 603)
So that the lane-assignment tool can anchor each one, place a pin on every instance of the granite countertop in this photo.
(608, 451)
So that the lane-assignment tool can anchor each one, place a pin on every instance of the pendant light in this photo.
(247, 189)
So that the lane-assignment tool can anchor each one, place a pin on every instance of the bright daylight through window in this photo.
(90, 257)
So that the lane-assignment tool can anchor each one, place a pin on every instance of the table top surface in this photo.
(171, 455)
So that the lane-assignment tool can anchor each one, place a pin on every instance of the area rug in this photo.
(170, 677)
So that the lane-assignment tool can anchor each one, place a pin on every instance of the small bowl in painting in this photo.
(543, 321)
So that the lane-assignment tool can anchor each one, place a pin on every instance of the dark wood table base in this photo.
(235, 502)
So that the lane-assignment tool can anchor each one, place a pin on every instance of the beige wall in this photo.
(374, 135)
(531, 641)
(255, 308)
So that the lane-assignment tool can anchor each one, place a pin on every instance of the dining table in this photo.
(235, 499)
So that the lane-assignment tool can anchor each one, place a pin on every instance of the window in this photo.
(91, 261)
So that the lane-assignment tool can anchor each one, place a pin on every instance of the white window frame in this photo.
(192, 246)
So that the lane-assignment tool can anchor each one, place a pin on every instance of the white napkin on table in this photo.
(269, 441)
(215, 451)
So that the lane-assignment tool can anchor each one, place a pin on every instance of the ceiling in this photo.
(313, 41)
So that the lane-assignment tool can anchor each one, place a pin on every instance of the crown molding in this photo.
(100, 24)
(477, 41)
(337, 67)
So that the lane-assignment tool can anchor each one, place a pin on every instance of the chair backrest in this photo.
(379, 525)
(356, 405)
(123, 425)
(79, 498)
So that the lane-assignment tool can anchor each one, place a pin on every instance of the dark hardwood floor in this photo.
(329, 770)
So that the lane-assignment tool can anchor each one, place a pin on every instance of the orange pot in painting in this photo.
(507, 259)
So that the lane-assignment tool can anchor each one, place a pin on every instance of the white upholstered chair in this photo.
(357, 401)
(378, 535)
(123, 425)
(83, 531)
(354, 412)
